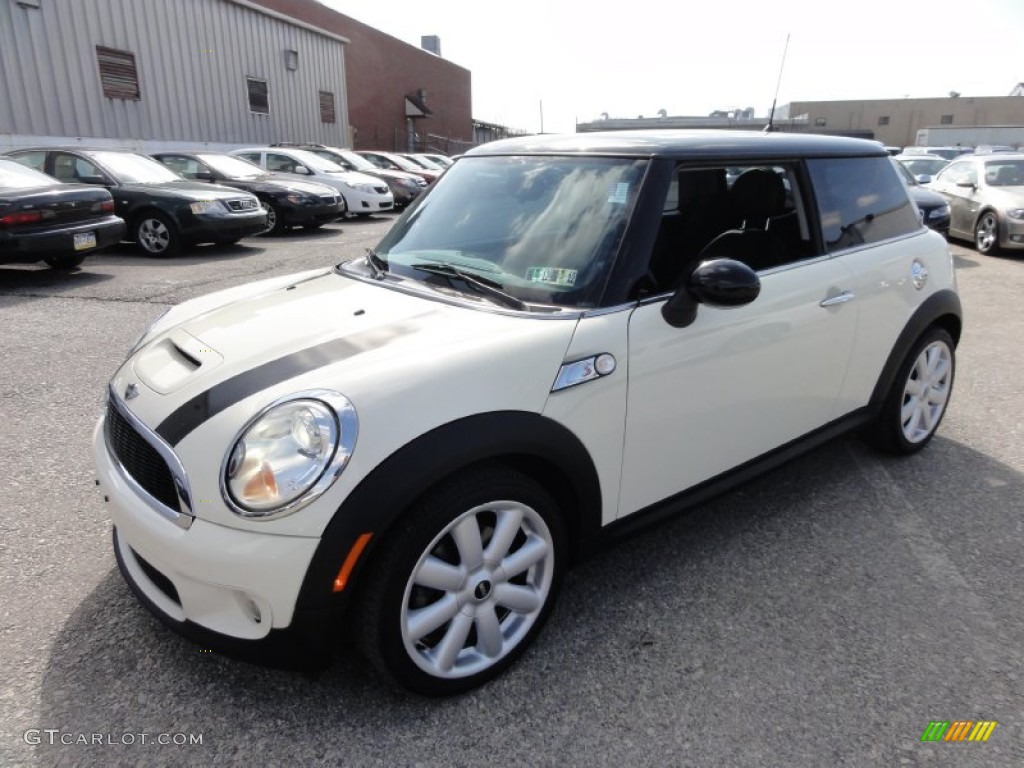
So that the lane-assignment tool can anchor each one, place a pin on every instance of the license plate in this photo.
(85, 240)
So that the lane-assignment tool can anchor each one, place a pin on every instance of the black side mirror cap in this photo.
(716, 283)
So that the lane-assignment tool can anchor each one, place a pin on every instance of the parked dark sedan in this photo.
(44, 220)
(288, 203)
(933, 207)
(163, 211)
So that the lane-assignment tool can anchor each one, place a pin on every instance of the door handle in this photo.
(842, 298)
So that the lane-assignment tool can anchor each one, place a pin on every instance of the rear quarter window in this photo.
(861, 201)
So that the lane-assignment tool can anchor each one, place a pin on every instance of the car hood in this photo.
(357, 337)
(278, 183)
(926, 197)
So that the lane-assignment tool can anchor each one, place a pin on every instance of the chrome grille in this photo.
(243, 205)
(140, 459)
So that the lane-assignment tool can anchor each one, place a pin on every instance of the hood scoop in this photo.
(170, 362)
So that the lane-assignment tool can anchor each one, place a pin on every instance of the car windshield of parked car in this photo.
(134, 169)
(426, 162)
(16, 176)
(233, 167)
(543, 229)
(358, 162)
(403, 163)
(924, 166)
(316, 162)
(1004, 173)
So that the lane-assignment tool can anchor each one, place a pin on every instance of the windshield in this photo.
(544, 229)
(358, 162)
(16, 176)
(134, 169)
(314, 160)
(403, 163)
(924, 166)
(426, 162)
(233, 167)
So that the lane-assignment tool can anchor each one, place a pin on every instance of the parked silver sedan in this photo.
(986, 200)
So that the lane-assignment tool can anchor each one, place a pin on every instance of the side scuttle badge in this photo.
(579, 371)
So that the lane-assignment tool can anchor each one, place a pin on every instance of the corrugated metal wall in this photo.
(192, 56)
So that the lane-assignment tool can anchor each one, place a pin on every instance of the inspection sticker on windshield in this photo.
(619, 192)
(551, 275)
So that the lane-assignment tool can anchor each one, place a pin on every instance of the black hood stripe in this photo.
(221, 396)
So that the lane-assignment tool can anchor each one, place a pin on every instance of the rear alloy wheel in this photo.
(157, 235)
(459, 592)
(986, 234)
(917, 401)
(65, 262)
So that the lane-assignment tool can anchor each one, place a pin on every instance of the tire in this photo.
(464, 583)
(275, 221)
(915, 405)
(157, 235)
(986, 234)
(65, 263)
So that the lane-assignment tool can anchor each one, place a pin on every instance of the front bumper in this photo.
(212, 228)
(232, 582)
(315, 213)
(1011, 233)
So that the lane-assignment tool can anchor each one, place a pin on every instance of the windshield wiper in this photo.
(482, 284)
(377, 265)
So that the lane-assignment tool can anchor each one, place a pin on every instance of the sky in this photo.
(546, 65)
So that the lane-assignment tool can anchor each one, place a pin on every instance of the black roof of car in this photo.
(685, 143)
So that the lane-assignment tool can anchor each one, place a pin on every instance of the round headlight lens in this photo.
(281, 456)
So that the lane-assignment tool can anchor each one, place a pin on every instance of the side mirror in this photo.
(302, 170)
(98, 180)
(716, 283)
(970, 184)
(924, 178)
(203, 176)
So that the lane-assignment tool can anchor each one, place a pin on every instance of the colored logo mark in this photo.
(958, 730)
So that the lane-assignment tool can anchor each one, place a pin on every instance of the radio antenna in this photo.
(771, 115)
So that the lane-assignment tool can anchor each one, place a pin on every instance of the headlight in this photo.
(938, 213)
(289, 454)
(206, 206)
(1016, 213)
(298, 199)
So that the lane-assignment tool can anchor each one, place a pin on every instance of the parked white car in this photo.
(570, 337)
(364, 195)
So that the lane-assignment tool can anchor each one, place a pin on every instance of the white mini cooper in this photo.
(565, 338)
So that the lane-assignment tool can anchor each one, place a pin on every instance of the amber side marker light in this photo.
(350, 561)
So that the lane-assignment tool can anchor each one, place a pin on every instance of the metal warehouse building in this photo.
(155, 74)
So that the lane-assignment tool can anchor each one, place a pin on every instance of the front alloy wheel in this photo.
(156, 235)
(986, 233)
(464, 588)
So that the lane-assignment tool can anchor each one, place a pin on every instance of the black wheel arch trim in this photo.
(532, 443)
(942, 308)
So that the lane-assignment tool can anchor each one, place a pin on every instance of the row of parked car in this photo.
(58, 205)
(976, 196)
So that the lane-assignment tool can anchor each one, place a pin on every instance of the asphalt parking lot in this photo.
(819, 616)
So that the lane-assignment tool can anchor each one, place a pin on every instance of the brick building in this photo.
(388, 79)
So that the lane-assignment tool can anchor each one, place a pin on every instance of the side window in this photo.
(755, 214)
(183, 166)
(252, 157)
(73, 168)
(861, 201)
(955, 173)
(280, 163)
(36, 160)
